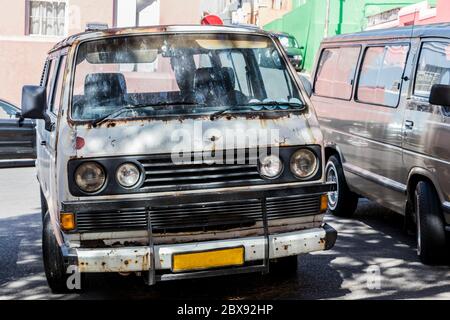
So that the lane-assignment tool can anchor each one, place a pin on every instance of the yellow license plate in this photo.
(203, 260)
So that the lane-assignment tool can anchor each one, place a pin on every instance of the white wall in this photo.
(126, 13)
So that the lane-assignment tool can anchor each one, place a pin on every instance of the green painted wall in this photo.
(307, 20)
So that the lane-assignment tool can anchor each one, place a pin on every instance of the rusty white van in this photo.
(176, 152)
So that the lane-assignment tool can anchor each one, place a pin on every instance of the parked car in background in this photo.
(293, 49)
(125, 104)
(17, 135)
(383, 101)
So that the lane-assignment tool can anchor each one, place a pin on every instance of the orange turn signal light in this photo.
(67, 221)
(323, 203)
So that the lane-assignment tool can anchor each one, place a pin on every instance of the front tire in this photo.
(53, 259)
(44, 206)
(431, 237)
(342, 202)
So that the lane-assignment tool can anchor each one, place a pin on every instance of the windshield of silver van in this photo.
(180, 75)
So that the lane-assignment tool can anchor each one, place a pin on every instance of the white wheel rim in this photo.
(419, 232)
(332, 177)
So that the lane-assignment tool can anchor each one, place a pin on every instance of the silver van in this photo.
(383, 102)
(176, 152)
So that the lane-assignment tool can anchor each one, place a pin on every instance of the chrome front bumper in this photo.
(140, 259)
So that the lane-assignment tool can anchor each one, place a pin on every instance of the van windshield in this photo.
(180, 74)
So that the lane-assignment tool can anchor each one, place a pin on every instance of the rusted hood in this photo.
(140, 137)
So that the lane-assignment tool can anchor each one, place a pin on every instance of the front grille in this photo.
(162, 174)
(208, 216)
(125, 219)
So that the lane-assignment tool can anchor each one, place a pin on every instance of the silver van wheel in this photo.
(419, 231)
(332, 176)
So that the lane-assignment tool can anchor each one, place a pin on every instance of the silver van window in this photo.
(433, 68)
(180, 75)
(336, 72)
(381, 75)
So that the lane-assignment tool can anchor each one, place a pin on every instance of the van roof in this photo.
(154, 29)
(431, 30)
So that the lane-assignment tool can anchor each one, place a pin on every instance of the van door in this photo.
(377, 163)
(332, 95)
(427, 127)
(47, 137)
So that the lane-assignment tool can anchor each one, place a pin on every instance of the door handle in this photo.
(409, 124)
(43, 143)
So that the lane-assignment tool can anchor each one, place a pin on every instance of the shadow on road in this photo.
(374, 238)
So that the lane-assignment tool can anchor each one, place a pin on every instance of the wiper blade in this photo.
(217, 114)
(275, 103)
(119, 111)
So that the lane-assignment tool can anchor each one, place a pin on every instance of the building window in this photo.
(47, 18)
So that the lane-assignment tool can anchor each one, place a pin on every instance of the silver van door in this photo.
(427, 126)
(377, 166)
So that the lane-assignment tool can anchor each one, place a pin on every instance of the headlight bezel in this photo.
(103, 184)
(112, 187)
(282, 166)
(138, 181)
(313, 173)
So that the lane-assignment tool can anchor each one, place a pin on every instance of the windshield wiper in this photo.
(275, 103)
(119, 111)
(217, 114)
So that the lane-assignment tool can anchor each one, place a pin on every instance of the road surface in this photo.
(372, 259)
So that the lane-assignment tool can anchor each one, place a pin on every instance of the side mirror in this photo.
(306, 84)
(21, 119)
(34, 102)
(440, 95)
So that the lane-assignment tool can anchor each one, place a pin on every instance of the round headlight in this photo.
(271, 167)
(304, 163)
(90, 177)
(128, 175)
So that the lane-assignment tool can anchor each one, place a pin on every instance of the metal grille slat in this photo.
(162, 174)
(173, 187)
(200, 176)
(199, 216)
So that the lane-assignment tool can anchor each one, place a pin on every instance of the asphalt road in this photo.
(372, 259)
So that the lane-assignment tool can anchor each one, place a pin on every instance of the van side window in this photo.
(57, 91)
(44, 75)
(50, 77)
(381, 75)
(433, 68)
(336, 72)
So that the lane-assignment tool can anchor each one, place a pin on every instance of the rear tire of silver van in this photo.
(53, 260)
(342, 202)
(431, 237)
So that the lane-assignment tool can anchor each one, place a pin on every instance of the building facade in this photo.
(417, 14)
(312, 20)
(29, 29)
